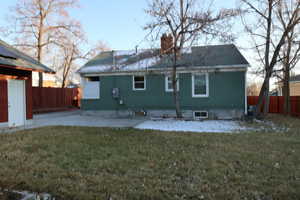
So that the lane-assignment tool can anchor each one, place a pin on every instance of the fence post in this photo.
(278, 104)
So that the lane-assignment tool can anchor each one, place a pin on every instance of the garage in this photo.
(16, 86)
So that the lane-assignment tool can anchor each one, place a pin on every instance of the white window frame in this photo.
(167, 83)
(133, 85)
(85, 81)
(207, 86)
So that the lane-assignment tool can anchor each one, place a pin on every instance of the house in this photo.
(16, 86)
(211, 82)
(294, 86)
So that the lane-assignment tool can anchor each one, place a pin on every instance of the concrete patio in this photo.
(77, 118)
(85, 119)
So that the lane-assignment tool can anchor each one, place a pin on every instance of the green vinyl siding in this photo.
(226, 91)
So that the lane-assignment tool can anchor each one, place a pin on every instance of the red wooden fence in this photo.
(3, 101)
(54, 99)
(276, 104)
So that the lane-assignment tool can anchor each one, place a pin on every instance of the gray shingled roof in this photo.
(10, 56)
(295, 78)
(200, 56)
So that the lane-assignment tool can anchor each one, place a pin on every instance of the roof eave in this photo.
(28, 69)
(191, 69)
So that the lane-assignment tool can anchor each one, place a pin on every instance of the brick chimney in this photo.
(166, 44)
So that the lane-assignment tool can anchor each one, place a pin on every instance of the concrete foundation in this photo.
(3, 125)
(188, 114)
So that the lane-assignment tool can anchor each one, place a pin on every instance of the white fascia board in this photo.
(219, 68)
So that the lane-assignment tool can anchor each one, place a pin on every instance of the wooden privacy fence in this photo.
(55, 99)
(276, 104)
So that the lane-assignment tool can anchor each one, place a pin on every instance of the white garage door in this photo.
(16, 103)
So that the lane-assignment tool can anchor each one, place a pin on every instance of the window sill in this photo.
(138, 89)
(200, 96)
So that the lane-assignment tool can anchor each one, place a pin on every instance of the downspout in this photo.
(114, 77)
(246, 100)
(114, 65)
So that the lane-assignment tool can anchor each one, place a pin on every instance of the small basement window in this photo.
(139, 82)
(200, 114)
(91, 88)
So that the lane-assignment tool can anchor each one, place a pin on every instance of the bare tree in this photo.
(38, 23)
(267, 39)
(187, 24)
(289, 57)
(253, 89)
(290, 52)
(72, 53)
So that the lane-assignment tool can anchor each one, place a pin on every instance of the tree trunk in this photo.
(267, 99)
(40, 79)
(39, 57)
(39, 45)
(286, 91)
(65, 75)
(182, 19)
(286, 75)
(176, 98)
(67, 67)
(175, 89)
(263, 98)
(63, 84)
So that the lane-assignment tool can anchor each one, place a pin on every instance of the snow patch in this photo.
(129, 52)
(142, 64)
(120, 64)
(124, 52)
(96, 69)
(209, 126)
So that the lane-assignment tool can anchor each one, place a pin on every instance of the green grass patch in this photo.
(98, 163)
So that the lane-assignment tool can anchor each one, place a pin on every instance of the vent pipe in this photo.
(114, 59)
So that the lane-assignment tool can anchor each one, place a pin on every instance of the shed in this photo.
(16, 86)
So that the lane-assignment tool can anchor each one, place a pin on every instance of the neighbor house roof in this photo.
(295, 78)
(150, 59)
(9, 56)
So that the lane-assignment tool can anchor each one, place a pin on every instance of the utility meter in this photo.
(115, 93)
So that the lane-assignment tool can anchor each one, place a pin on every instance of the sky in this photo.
(119, 23)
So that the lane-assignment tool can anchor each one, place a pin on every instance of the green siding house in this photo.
(211, 83)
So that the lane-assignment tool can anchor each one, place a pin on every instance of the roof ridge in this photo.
(193, 46)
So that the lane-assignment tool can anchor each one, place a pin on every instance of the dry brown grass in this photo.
(97, 163)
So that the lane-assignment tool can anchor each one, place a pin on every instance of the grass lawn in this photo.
(98, 163)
